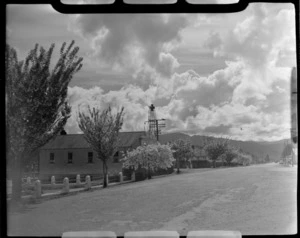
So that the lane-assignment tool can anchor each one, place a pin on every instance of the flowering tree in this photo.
(36, 105)
(215, 149)
(101, 131)
(149, 157)
(182, 150)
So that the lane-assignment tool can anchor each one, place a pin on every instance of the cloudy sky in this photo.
(207, 74)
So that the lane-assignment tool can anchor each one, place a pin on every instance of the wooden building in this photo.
(70, 154)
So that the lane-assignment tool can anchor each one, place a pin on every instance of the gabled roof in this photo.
(77, 141)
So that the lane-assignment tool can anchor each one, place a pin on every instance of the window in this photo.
(70, 158)
(90, 157)
(51, 158)
(116, 157)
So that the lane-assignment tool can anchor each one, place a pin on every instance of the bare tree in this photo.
(101, 131)
(36, 105)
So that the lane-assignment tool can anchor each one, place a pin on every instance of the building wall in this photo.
(146, 140)
(60, 168)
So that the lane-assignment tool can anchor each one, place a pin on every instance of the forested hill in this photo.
(260, 149)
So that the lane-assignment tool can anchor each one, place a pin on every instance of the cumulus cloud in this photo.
(195, 111)
(248, 99)
(132, 98)
(133, 42)
(259, 38)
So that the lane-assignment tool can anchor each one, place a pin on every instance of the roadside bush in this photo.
(27, 189)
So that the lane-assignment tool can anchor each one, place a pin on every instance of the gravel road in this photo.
(255, 200)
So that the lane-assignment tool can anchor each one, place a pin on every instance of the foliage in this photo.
(198, 153)
(216, 149)
(230, 154)
(36, 105)
(101, 131)
(182, 149)
(150, 157)
(287, 150)
(244, 159)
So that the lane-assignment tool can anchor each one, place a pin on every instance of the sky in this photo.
(207, 74)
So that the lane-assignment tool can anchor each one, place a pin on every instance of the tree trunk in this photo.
(178, 171)
(149, 172)
(104, 174)
(17, 180)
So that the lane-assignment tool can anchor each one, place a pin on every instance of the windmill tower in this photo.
(154, 124)
(152, 121)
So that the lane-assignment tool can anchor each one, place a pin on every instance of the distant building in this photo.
(69, 155)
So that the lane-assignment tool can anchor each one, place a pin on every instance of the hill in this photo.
(258, 148)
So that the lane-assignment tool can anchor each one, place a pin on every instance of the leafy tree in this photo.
(182, 150)
(198, 153)
(36, 105)
(150, 157)
(215, 149)
(101, 131)
(244, 159)
(230, 154)
(287, 150)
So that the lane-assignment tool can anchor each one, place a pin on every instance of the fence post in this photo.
(88, 182)
(38, 189)
(78, 179)
(52, 180)
(121, 177)
(66, 186)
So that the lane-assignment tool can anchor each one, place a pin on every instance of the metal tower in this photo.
(154, 124)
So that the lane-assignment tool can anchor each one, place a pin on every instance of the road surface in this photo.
(258, 199)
